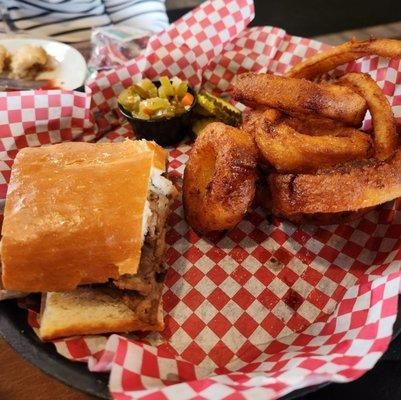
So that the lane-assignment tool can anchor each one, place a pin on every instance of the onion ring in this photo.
(384, 123)
(325, 61)
(351, 187)
(300, 96)
(263, 199)
(317, 126)
(307, 124)
(291, 151)
(219, 178)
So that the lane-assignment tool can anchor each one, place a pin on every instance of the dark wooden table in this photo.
(20, 380)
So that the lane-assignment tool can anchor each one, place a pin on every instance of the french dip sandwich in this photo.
(84, 224)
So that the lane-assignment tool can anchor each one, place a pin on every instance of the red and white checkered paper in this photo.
(266, 308)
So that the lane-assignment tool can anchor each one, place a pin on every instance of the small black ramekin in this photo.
(164, 131)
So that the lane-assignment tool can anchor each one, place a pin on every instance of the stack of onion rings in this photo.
(315, 166)
(324, 170)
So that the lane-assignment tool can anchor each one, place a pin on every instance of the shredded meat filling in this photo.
(151, 266)
(141, 292)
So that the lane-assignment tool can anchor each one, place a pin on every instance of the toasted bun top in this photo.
(73, 213)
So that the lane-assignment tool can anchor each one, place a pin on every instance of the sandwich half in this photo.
(84, 224)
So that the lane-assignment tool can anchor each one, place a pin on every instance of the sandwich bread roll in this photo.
(84, 224)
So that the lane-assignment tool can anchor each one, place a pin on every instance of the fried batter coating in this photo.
(325, 61)
(384, 123)
(263, 198)
(317, 126)
(350, 187)
(291, 151)
(219, 178)
(300, 96)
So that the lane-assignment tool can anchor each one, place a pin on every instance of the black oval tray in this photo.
(16, 332)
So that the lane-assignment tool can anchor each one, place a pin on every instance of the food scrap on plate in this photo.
(27, 62)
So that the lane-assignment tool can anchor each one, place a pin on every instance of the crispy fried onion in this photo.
(219, 178)
(384, 123)
(289, 150)
(353, 186)
(325, 61)
(300, 96)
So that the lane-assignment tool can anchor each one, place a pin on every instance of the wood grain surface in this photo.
(19, 380)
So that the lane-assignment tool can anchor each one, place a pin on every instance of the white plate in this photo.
(71, 69)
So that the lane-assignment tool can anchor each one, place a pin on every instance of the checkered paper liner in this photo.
(266, 308)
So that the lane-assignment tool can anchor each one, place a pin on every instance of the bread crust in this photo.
(61, 315)
(82, 328)
(73, 214)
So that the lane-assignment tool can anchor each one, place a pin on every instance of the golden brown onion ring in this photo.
(303, 123)
(317, 126)
(352, 187)
(325, 61)
(219, 178)
(300, 96)
(291, 151)
(263, 199)
(384, 123)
